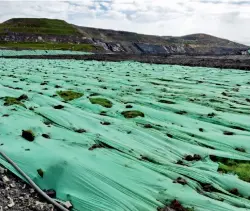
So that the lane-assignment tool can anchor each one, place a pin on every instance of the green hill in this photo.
(38, 26)
(62, 35)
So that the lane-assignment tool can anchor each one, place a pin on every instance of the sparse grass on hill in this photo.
(38, 26)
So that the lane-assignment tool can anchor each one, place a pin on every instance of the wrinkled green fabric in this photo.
(116, 178)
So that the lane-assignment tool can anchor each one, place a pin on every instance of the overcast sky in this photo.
(224, 18)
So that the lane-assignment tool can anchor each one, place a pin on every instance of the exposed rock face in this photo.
(25, 37)
(151, 49)
(115, 47)
(173, 49)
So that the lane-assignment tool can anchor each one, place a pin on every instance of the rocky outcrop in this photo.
(174, 49)
(16, 195)
(27, 37)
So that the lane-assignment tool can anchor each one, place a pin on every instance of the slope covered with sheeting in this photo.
(38, 52)
(99, 160)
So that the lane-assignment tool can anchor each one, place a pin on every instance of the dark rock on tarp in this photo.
(40, 172)
(51, 193)
(23, 97)
(234, 191)
(129, 106)
(180, 181)
(28, 135)
(174, 206)
(46, 136)
(58, 107)
(195, 157)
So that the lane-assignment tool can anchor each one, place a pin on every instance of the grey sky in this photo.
(224, 18)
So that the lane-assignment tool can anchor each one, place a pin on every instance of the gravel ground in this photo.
(16, 195)
(225, 62)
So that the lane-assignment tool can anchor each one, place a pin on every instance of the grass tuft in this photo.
(241, 168)
(8, 101)
(69, 95)
(132, 114)
(101, 101)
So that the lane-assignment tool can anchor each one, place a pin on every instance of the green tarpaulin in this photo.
(100, 160)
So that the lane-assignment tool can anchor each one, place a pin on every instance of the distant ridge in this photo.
(40, 33)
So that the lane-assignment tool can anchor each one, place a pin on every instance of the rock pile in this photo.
(15, 195)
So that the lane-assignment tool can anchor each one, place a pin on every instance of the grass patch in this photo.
(38, 26)
(101, 101)
(50, 46)
(132, 114)
(8, 101)
(241, 168)
(69, 95)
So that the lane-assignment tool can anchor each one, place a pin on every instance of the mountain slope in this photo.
(119, 36)
(114, 36)
(44, 33)
(204, 39)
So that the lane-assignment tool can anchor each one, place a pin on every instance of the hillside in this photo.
(31, 33)
(120, 36)
(204, 39)
(115, 36)
(38, 26)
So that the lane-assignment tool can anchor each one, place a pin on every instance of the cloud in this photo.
(223, 18)
(246, 2)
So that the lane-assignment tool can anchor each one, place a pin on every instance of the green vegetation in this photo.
(42, 26)
(132, 114)
(241, 168)
(38, 26)
(69, 95)
(8, 101)
(190, 209)
(101, 101)
(50, 46)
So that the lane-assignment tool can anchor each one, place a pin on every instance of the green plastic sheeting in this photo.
(187, 111)
(39, 52)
